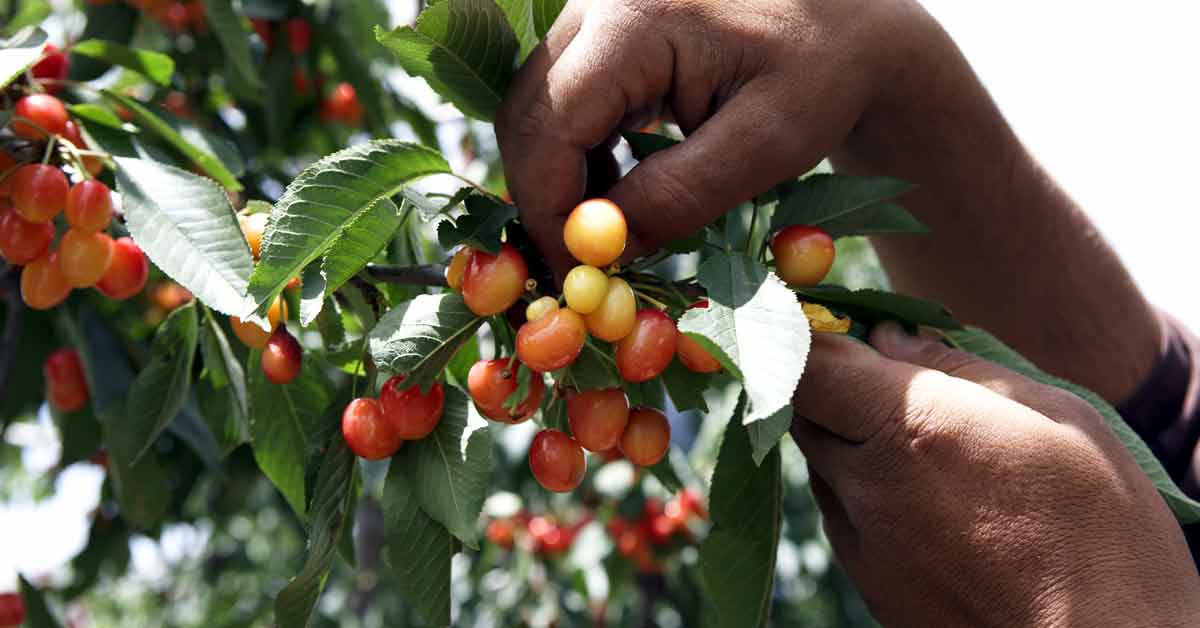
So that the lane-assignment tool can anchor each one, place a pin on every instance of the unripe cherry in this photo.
(615, 317)
(45, 111)
(493, 283)
(647, 350)
(128, 272)
(43, 285)
(584, 288)
(39, 191)
(282, 356)
(595, 232)
(89, 205)
(22, 241)
(85, 256)
(367, 431)
(646, 438)
(254, 336)
(551, 342)
(413, 414)
(597, 417)
(66, 386)
(803, 255)
(457, 270)
(692, 354)
(541, 308)
(557, 461)
(491, 382)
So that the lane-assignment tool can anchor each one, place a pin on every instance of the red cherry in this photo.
(493, 283)
(43, 284)
(490, 383)
(647, 350)
(89, 205)
(66, 387)
(12, 609)
(127, 273)
(413, 414)
(342, 105)
(263, 28)
(369, 433)
(299, 34)
(692, 354)
(597, 417)
(500, 532)
(551, 342)
(45, 111)
(177, 18)
(39, 191)
(282, 356)
(803, 255)
(646, 438)
(22, 241)
(557, 461)
(54, 66)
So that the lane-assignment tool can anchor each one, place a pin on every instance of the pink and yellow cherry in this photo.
(413, 414)
(557, 461)
(367, 431)
(457, 270)
(253, 227)
(84, 256)
(803, 255)
(646, 438)
(44, 111)
(584, 288)
(692, 354)
(39, 191)
(254, 336)
(22, 241)
(493, 283)
(492, 382)
(615, 317)
(595, 232)
(597, 417)
(282, 356)
(127, 274)
(89, 205)
(551, 342)
(647, 350)
(66, 387)
(43, 285)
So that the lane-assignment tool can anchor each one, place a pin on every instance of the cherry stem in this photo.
(649, 299)
(433, 275)
(49, 149)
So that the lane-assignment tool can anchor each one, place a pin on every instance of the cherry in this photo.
(43, 285)
(299, 35)
(597, 417)
(413, 414)
(648, 349)
(263, 29)
(127, 274)
(300, 81)
(556, 461)
(692, 354)
(42, 110)
(281, 357)
(584, 288)
(74, 135)
(493, 283)
(342, 105)
(551, 342)
(66, 387)
(89, 205)
(692, 503)
(595, 232)
(176, 18)
(646, 437)
(367, 431)
(53, 66)
(254, 336)
(491, 382)
(253, 227)
(541, 308)
(22, 241)
(85, 256)
(39, 191)
(803, 255)
(12, 609)
(196, 16)
(615, 317)
(457, 269)
(501, 532)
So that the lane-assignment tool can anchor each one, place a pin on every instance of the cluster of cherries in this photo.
(542, 534)
(33, 194)
(12, 610)
(175, 16)
(641, 540)
(341, 104)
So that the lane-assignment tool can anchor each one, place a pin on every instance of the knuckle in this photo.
(949, 361)
(665, 191)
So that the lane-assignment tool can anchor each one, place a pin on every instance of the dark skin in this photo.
(955, 492)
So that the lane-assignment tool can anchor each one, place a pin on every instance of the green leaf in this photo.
(419, 338)
(99, 115)
(110, 21)
(235, 42)
(160, 390)
(186, 226)
(206, 160)
(221, 389)
(451, 467)
(845, 205)
(545, 12)
(417, 549)
(686, 387)
(80, 434)
(430, 208)
(754, 327)
(524, 382)
(37, 613)
(480, 227)
(325, 199)
(19, 52)
(646, 144)
(520, 18)
(460, 365)
(155, 66)
(765, 434)
(872, 306)
(283, 422)
(976, 341)
(331, 507)
(737, 560)
(189, 427)
(594, 369)
(464, 49)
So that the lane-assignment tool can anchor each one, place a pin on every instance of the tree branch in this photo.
(427, 275)
(9, 342)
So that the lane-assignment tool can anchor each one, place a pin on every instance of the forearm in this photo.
(1010, 251)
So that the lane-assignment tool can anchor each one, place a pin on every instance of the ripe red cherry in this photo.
(551, 342)
(89, 205)
(647, 350)
(803, 255)
(299, 35)
(500, 532)
(493, 283)
(39, 191)
(281, 357)
(66, 387)
(413, 414)
(597, 417)
(43, 285)
(491, 382)
(12, 609)
(342, 105)
(127, 274)
(556, 461)
(176, 18)
(53, 66)
(263, 28)
(22, 241)
(85, 257)
(692, 354)
(42, 110)
(367, 431)
(646, 437)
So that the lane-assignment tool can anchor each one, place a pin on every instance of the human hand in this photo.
(957, 492)
(763, 89)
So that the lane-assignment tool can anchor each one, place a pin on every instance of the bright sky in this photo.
(1106, 94)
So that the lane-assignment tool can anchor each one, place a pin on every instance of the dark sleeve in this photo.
(1165, 412)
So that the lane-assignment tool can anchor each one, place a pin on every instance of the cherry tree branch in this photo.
(9, 342)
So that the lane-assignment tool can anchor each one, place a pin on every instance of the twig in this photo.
(12, 329)
(426, 275)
